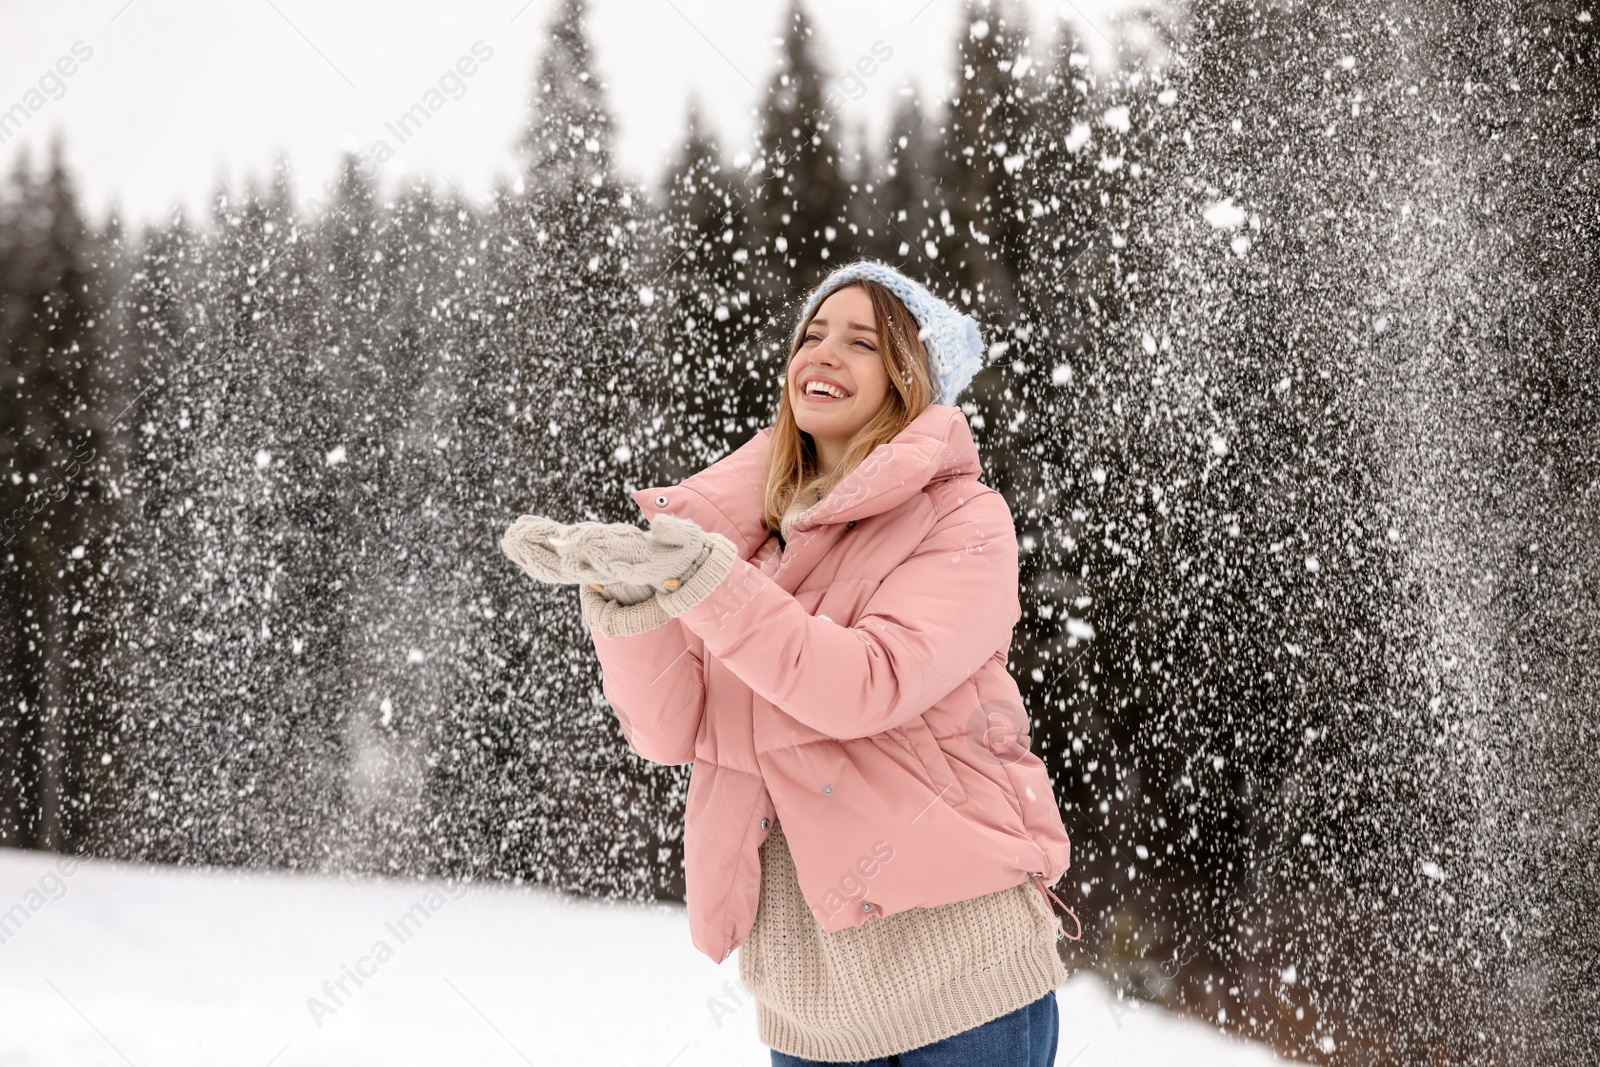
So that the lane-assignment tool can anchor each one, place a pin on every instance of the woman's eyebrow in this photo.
(849, 325)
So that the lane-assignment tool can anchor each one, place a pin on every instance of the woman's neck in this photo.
(827, 452)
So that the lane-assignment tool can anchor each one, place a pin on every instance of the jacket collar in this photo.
(727, 496)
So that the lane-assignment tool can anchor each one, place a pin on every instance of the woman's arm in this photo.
(928, 627)
(652, 679)
(651, 666)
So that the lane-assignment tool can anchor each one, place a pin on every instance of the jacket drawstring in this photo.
(1049, 896)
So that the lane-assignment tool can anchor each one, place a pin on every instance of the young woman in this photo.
(819, 622)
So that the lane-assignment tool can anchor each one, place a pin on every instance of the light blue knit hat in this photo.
(954, 345)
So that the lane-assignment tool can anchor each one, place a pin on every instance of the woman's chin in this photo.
(822, 426)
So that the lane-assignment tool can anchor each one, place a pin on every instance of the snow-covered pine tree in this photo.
(57, 419)
(899, 220)
(981, 159)
(798, 195)
(515, 789)
(1526, 84)
(713, 390)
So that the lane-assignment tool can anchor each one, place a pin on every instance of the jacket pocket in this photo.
(937, 765)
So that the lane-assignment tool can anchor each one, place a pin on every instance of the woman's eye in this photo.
(862, 341)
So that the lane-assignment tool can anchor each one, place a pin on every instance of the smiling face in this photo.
(841, 348)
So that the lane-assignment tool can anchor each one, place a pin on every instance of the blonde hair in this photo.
(791, 454)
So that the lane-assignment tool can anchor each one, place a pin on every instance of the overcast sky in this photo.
(175, 96)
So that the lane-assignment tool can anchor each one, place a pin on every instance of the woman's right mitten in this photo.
(679, 560)
(714, 559)
(624, 592)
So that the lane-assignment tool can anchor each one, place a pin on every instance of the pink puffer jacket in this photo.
(854, 684)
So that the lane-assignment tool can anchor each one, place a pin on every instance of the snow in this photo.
(1224, 215)
(116, 963)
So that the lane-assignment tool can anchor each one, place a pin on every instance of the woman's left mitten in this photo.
(624, 555)
(531, 543)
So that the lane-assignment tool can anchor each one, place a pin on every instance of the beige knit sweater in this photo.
(895, 982)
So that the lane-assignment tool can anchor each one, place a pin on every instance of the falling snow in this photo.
(1291, 312)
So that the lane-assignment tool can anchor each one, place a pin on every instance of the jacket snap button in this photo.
(827, 789)
(661, 501)
(849, 524)
(866, 905)
(765, 823)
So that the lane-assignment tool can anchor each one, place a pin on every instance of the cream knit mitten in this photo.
(620, 569)
(615, 616)
(611, 552)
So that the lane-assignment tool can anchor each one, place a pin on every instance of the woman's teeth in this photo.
(823, 389)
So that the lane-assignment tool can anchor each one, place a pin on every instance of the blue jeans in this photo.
(1025, 1038)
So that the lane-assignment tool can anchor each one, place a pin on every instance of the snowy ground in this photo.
(129, 965)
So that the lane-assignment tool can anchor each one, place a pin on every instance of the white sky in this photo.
(180, 95)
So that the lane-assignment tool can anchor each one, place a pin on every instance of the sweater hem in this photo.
(966, 1002)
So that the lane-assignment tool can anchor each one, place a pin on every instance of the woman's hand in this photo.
(618, 558)
(550, 551)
